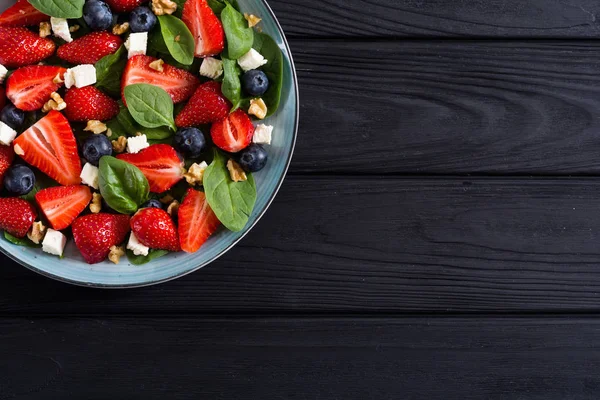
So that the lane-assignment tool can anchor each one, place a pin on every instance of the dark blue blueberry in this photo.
(12, 116)
(255, 82)
(95, 147)
(97, 15)
(253, 158)
(189, 141)
(142, 19)
(19, 179)
(152, 204)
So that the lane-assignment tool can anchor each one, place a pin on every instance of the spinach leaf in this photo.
(141, 260)
(231, 86)
(150, 105)
(122, 185)
(239, 36)
(219, 5)
(156, 43)
(177, 38)
(179, 11)
(20, 241)
(131, 128)
(232, 202)
(109, 70)
(266, 46)
(59, 8)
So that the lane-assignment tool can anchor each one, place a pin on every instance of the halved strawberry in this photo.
(205, 27)
(29, 88)
(22, 14)
(207, 105)
(62, 204)
(159, 163)
(50, 146)
(197, 221)
(122, 6)
(154, 228)
(16, 216)
(95, 234)
(20, 46)
(233, 133)
(7, 156)
(179, 83)
(89, 49)
(87, 103)
(2, 97)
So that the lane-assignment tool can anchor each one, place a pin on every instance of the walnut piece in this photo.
(236, 172)
(258, 108)
(177, 38)
(95, 126)
(119, 144)
(116, 252)
(74, 28)
(96, 204)
(55, 103)
(173, 207)
(167, 199)
(195, 173)
(252, 19)
(108, 132)
(57, 79)
(45, 29)
(157, 65)
(162, 7)
(19, 150)
(37, 232)
(120, 29)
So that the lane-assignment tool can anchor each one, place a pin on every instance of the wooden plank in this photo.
(354, 245)
(439, 18)
(374, 358)
(448, 107)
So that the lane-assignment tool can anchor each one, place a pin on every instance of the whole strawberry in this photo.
(122, 6)
(20, 46)
(95, 234)
(206, 106)
(87, 103)
(7, 155)
(2, 97)
(89, 49)
(154, 228)
(16, 216)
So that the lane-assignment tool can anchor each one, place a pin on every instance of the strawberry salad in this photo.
(132, 126)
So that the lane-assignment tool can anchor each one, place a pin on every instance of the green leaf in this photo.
(150, 105)
(232, 202)
(177, 38)
(60, 8)
(269, 49)
(219, 5)
(239, 36)
(141, 260)
(156, 43)
(109, 71)
(128, 127)
(20, 241)
(231, 86)
(122, 185)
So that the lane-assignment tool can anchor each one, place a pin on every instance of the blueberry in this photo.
(255, 82)
(142, 19)
(12, 116)
(152, 204)
(189, 141)
(97, 15)
(19, 179)
(253, 158)
(96, 147)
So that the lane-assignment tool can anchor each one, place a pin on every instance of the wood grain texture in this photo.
(439, 18)
(448, 107)
(374, 358)
(377, 246)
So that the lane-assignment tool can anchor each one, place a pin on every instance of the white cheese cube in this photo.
(136, 44)
(60, 27)
(3, 73)
(54, 242)
(252, 60)
(80, 76)
(135, 246)
(262, 134)
(7, 134)
(211, 68)
(89, 175)
(137, 143)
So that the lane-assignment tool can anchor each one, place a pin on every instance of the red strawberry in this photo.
(62, 204)
(22, 14)
(50, 146)
(28, 88)
(154, 228)
(179, 83)
(197, 221)
(20, 46)
(234, 133)
(89, 103)
(207, 105)
(95, 234)
(2, 97)
(159, 163)
(205, 26)
(122, 6)
(7, 155)
(89, 49)
(16, 216)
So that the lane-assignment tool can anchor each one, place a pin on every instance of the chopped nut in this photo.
(57, 79)
(55, 103)
(157, 65)
(108, 132)
(95, 126)
(195, 173)
(19, 150)
(173, 207)
(120, 29)
(167, 199)
(116, 252)
(37, 232)
(96, 204)
(258, 108)
(162, 7)
(45, 29)
(252, 19)
(119, 144)
(236, 172)
(177, 38)
(74, 28)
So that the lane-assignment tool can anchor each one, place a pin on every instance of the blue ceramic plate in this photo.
(73, 269)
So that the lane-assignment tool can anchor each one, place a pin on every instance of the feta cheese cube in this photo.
(60, 27)
(3, 73)
(80, 76)
(7, 134)
(89, 175)
(136, 44)
(54, 242)
(252, 60)
(135, 246)
(211, 68)
(137, 143)
(262, 134)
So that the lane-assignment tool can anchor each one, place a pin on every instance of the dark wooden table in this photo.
(437, 236)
